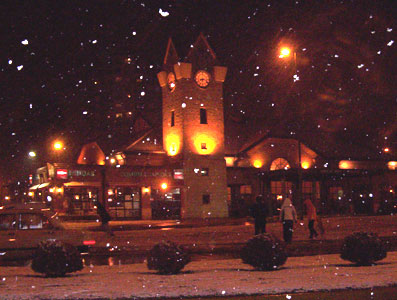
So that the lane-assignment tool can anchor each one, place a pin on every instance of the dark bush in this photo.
(264, 252)
(55, 259)
(168, 258)
(363, 248)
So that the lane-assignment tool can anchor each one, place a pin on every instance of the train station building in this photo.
(197, 166)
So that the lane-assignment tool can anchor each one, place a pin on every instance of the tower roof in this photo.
(201, 53)
(171, 56)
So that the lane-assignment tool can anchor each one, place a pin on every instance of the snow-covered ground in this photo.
(199, 278)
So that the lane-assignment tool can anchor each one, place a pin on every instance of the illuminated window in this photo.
(245, 190)
(203, 116)
(206, 199)
(172, 119)
(205, 171)
(203, 146)
(279, 164)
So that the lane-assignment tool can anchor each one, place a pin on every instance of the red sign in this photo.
(62, 173)
(178, 174)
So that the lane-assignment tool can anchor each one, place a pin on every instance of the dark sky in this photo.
(64, 69)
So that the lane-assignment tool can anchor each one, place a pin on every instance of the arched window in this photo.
(279, 164)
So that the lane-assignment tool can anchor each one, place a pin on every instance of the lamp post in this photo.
(58, 146)
(285, 53)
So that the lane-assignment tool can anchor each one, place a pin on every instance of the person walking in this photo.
(105, 218)
(288, 217)
(311, 217)
(259, 212)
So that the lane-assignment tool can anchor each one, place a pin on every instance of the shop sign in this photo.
(62, 173)
(146, 174)
(65, 173)
(82, 173)
(178, 174)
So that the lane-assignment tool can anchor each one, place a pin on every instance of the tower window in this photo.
(205, 171)
(203, 116)
(172, 119)
(206, 199)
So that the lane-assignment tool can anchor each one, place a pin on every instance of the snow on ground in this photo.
(199, 278)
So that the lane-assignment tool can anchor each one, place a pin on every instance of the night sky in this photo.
(67, 68)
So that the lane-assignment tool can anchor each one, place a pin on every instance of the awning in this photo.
(81, 183)
(39, 186)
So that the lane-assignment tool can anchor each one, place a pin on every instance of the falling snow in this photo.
(65, 61)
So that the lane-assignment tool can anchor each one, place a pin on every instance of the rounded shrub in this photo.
(167, 258)
(363, 248)
(55, 258)
(264, 252)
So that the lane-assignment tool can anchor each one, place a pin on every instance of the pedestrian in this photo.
(288, 217)
(311, 217)
(105, 218)
(259, 213)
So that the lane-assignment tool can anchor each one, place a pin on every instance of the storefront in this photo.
(127, 192)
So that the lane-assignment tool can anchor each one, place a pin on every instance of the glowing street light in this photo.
(284, 52)
(58, 145)
(32, 154)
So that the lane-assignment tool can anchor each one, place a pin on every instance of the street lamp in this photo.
(285, 52)
(58, 145)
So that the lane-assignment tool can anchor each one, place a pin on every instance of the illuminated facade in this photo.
(196, 165)
(193, 127)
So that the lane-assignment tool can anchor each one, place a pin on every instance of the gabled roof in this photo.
(171, 56)
(150, 141)
(201, 54)
(91, 154)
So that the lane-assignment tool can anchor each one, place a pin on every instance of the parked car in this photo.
(22, 227)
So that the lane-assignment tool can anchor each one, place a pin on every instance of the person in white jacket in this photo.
(288, 217)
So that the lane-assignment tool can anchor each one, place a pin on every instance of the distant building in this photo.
(195, 166)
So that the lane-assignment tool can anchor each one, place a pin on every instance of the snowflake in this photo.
(163, 13)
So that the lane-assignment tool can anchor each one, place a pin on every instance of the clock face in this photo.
(171, 81)
(202, 78)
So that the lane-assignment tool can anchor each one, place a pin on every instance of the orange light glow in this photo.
(146, 190)
(230, 161)
(59, 190)
(343, 164)
(164, 185)
(305, 165)
(392, 165)
(172, 144)
(204, 144)
(284, 52)
(30, 194)
(257, 163)
(112, 160)
(52, 190)
(110, 192)
(58, 145)
(386, 150)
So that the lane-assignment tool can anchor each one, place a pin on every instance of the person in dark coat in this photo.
(105, 217)
(259, 212)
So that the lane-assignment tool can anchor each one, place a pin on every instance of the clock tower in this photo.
(193, 127)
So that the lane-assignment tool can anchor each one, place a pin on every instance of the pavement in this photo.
(225, 237)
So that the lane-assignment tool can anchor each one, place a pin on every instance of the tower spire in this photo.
(171, 56)
(201, 54)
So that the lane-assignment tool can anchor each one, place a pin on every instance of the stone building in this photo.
(194, 166)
